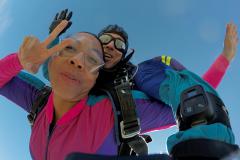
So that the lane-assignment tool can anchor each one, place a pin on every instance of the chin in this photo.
(108, 65)
(72, 98)
(67, 93)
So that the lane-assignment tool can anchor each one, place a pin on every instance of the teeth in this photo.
(107, 56)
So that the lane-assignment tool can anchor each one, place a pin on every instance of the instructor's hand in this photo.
(230, 42)
(63, 15)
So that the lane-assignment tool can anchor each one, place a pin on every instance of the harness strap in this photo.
(39, 104)
(128, 130)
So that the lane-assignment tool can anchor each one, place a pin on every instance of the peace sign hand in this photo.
(33, 53)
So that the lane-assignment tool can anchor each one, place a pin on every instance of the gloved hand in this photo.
(63, 15)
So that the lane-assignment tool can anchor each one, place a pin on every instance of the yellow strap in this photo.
(168, 60)
(163, 59)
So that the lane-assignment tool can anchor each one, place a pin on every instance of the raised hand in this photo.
(63, 15)
(230, 42)
(33, 53)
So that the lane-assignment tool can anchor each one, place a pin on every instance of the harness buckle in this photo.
(130, 129)
(31, 118)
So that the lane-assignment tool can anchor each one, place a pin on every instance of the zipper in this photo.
(50, 132)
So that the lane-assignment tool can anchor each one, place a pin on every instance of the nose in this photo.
(110, 45)
(77, 61)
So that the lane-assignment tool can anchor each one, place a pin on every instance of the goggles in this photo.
(91, 60)
(119, 44)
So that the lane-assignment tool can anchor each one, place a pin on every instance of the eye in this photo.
(120, 44)
(92, 60)
(70, 49)
(105, 39)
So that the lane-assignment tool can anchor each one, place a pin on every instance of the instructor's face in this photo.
(111, 55)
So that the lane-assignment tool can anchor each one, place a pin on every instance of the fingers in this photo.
(231, 36)
(56, 17)
(55, 33)
(230, 41)
(231, 29)
(69, 25)
(60, 47)
(69, 16)
(63, 14)
(25, 42)
(30, 42)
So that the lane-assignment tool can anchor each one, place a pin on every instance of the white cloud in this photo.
(5, 19)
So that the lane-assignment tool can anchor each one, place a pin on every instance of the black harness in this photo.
(127, 123)
(39, 104)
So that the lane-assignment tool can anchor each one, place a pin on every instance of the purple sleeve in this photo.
(14, 88)
(20, 92)
(154, 115)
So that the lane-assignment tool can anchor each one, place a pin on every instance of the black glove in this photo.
(64, 15)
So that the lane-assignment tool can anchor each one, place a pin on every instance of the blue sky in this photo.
(189, 30)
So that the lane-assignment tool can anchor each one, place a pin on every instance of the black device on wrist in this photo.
(200, 107)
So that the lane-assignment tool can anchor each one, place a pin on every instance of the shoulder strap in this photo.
(39, 103)
(127, 124)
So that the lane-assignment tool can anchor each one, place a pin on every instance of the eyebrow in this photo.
(78, 41)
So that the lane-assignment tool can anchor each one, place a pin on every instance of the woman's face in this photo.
(74, 70)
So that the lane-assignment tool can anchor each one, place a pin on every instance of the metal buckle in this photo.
(129, 135)
(31, 118)
(121, 80)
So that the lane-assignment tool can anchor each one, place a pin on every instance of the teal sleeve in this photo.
(176, 82)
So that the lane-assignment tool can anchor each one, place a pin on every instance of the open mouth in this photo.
(107, 57)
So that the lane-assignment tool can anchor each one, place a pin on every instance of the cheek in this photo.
(53, 70)
(118, 56)
(50, 70)
(90, 80)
